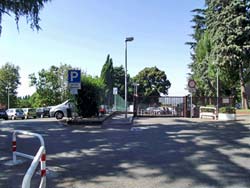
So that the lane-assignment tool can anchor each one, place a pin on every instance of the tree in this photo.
(152, 82)
(211, 48)
(119, 82)
(203, 70)
(9, 82)
(88, 98)
(107, 77)
(50, 85)
(28, 8)
(229, 24)
(200, 66)
(24, 102)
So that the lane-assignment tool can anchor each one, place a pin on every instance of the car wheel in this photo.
(59, 115)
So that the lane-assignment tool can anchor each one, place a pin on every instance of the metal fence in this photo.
(166, 106)
(169, 106)
(175, 106)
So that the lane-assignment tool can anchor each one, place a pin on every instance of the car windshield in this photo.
(19, 110)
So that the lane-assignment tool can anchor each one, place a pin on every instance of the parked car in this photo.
(61, 110)
(102, 109)
(43, 112)
(3, 114)
(29, 113)
(15, 113)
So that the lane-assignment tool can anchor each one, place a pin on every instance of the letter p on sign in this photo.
(74, 76)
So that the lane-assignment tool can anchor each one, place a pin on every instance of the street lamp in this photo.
(128, 39)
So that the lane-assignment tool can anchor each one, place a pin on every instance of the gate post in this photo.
(135, 105)
(185, 106)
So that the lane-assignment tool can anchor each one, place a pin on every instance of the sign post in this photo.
(191, 85)
(115, 92)
(74, 81)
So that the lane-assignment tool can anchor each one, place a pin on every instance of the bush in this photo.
(88, 98)
(207, 109)
(227, 110)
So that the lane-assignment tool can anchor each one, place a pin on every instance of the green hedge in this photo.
(227, 110)
(207, 109)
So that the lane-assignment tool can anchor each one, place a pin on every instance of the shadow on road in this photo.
(178, 153)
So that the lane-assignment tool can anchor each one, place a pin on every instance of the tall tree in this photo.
(118, 76)
(119, 82)
(229, 24)
(50, 85)
(9, 82)
(152, 82)
(28, 8)
(88, 98)
(107, 77)
(200, 55)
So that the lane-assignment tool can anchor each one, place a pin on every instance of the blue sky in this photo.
(82, 32)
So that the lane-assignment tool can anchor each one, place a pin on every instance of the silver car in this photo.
(15, 113)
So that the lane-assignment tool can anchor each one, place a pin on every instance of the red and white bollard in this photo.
(14, 148)
(43, 164)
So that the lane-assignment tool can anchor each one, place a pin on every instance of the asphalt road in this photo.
(158, 153)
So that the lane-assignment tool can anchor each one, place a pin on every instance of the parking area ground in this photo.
(158, 152)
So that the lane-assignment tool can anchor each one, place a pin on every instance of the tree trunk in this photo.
(244, 101)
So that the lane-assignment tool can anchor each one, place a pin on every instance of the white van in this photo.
(15, 113)
(59, 111)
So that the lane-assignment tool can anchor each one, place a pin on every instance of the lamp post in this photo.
(8, 94)
(217, 87)
(135, 98)
(135, 88)
(128, 39)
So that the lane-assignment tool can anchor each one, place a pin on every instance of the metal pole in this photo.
(8, 98)
(217, 85)
(126, 110)
(115, 102)
(191, 108)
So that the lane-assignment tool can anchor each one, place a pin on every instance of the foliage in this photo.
(24, 102)
(107, 77)
(50, 85)
(152, 82)
(9, 78)
(229, 24)
(211, 109)
(119, 82)
(28, 8)
(119, 75)
(227, 110)
(221, 43)
(88, 98)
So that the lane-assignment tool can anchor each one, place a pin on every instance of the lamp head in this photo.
(129, 39)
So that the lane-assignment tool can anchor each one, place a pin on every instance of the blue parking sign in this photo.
(74, 76)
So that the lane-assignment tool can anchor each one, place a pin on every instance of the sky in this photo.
(82, 33)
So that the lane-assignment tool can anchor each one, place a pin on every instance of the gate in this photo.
(163, 106)
(173, 106)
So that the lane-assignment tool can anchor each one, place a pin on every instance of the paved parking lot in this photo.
(160, 152)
